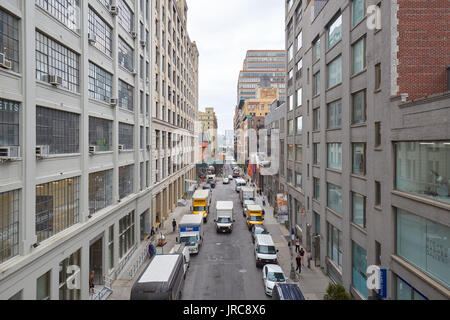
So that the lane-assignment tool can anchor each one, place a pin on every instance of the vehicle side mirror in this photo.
(278, 250)
(215, 220)
(234, 220)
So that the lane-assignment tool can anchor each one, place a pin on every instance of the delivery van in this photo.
(200, 203)
(265, 251)
(254, 215)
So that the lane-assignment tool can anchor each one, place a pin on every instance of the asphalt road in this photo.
(224, 269)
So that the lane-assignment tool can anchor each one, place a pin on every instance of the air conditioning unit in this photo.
(42, 151)
(114, 10)
(92, 38)
(113, 102)
(93, 149)
(134, 34)
(54, 80)
(134, 72)
(121, 147)
(5, 63)
(143, 43)
(9, 152)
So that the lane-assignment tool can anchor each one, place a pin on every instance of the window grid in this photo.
(9, 38)
(58, 129)
(100, 190)
(100, 83)
(9, 225)
(126, 135)
(100, 133)
(57, 207)
(126, 93)
(66, 11)
(126, 233)
(102, 31)
(126, 180)
(126, 16)
(9, 123)
(53, 58)
(126, 54)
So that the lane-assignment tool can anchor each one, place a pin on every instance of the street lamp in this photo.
(291, 247)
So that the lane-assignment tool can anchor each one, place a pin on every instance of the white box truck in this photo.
(191, 232)
(247, 193)
(224, 216)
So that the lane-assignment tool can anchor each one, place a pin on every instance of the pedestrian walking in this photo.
(297, 245)
(264, 201)
(302, 254)
(298, 260)
(152, 232)
(174, 224)
(91, 282)
(309, 257)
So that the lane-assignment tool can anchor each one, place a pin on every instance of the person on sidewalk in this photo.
(302, 254)
(264, 201)
(297, 245)
(309, 259)
(298, 260)
(152, 232)
(91, 282)
(174, 224)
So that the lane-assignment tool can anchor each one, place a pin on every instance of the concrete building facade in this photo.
(208, 124)
(368, 142)
(77, 169)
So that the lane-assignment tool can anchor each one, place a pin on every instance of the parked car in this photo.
(265, 251)
(287, 291)
(226, 181)
(230, 177)
(245, 206)
(258, 229)
(206, 186)
(272, 274)
(212, 183)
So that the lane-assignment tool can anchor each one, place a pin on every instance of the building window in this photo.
(316, 192)
(66, 11)
(102, 31)
(359, 158)
(316, 153)
(359, 209)
(57, 207)
(100, 133)
(357, 11)
(290, 152)
(334, 114)
(111, 247)
(316, 119)
(126, 16)
(299, 124)
(142, 174)
(359, 55)
(404, 291)
(64, 292)
(59, 130)
(298, 152)
(316, 50)
(43, 287)
(425, 244)
(298, 180)
(377, 134)
(316, 83)
(359, 107)
(126, 234)
(126, 55)
(126, 180)
(334, 31)
(290, 52)
(290, 127)
(335, 72)
(299, 97)
(334, 156)
(126, 93)
(359, 268)
(299, 40)
(335, 246)
(9, 225)
(378, 76)
(100, 190)
(126, 136)
(9, 122)
(334, 197)
(55, 59)
(377, 193)
(422, 168)
(9, 38)
(291, 102)
(100, 83)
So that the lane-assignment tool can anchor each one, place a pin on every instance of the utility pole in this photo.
(293, 276)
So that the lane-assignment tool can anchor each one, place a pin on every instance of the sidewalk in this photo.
(312, 282)
(122, 288)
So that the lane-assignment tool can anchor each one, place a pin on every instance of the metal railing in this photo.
(142, 257)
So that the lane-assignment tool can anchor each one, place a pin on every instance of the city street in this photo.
(225, 267)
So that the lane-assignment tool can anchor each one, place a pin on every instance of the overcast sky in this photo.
(224, 30)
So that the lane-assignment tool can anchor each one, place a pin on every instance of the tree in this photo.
(336, 291)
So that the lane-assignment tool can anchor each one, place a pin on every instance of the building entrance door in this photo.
(96, 259)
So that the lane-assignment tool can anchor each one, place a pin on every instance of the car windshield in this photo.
(223, 220)
(191, 240)
(255, 218)
(266, 249)
(260, 231)
(200, 208)
(276, 277)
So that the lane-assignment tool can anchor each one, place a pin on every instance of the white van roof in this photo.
(247, 189)
(264, 239)
(239, 180)
(191, 219)
(160, 268)
(224, 205)
(254, 207)
(201, 194)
